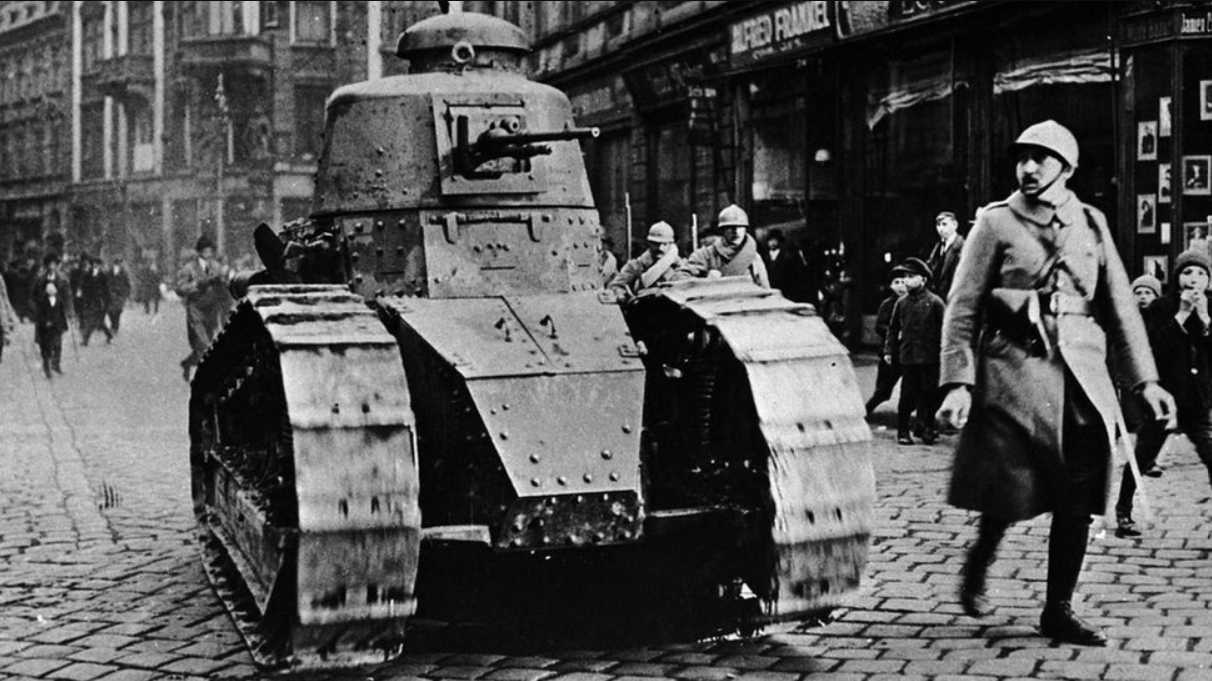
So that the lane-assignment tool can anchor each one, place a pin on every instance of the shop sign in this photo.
(867, 16)
(670, 80)
(27, 212)
(703, 100)
(1196, 22)
(1148, 28)
(792, 28)
(599, 102)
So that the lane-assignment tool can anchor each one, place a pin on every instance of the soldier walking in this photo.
(1039, 296)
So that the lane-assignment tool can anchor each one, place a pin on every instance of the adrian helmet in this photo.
(1053, 137)
(733, 216)
(660, 233)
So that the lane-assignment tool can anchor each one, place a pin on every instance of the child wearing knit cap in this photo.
(1178, 325)
(1147, 289)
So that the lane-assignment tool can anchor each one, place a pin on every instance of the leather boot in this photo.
(1060, 624)
(989, 535)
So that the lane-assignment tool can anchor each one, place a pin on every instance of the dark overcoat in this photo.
(942, 262)
(1008, 457)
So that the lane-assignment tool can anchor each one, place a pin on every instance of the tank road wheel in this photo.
(304, 476)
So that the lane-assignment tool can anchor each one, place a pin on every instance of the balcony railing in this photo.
(226, 52)
(120, 76)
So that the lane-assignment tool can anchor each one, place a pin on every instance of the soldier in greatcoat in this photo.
(734, 255)
(1039, 298)
(656, 264)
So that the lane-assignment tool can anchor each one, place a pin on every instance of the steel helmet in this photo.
(733, 216)
(1053, 137)
(660, 233)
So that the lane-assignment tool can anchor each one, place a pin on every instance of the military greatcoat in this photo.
(1015, 353)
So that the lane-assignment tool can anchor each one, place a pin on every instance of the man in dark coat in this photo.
(51, 309)
(93, 300)
(201, 283)
(786, 267)
(946, 253)
(117, 283)
(913, 343)
(1039, 297)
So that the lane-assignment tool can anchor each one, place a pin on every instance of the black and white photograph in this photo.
(1146, 141)
(1196, 171)
(1196, 237)
(604, 341)
(1146, 213)
(1156, 266)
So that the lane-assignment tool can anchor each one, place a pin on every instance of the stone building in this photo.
(850, 125)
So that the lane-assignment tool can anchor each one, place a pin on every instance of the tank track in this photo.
(753, 404)
(304, 477)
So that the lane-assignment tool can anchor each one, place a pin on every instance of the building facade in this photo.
(131, 128)
(35, 60)
(850, 125)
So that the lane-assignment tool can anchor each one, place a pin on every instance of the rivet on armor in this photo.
(535, 482)
(380, 225)
(614, 477)
(580, 499)
(607, 454)
(562, 480)
(336, 408)
(588, 477)
(379, 252)
(534, 458)
(492, 411)
(402, 223)
(399, 250)
(505, 407)
(626, 427)
(504, 435)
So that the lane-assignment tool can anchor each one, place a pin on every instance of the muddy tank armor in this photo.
(450, 420)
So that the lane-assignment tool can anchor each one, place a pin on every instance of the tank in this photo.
(435, 412)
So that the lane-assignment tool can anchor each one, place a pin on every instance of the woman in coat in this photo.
(1039, 297)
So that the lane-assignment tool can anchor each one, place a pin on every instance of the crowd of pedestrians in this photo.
(74, 296)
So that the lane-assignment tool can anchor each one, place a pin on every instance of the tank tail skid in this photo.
(304, 476)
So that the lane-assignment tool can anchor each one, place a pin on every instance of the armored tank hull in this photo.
(465, 429)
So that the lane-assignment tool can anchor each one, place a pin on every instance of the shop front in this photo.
(680, 172)
(1166, 134)
(605, 103)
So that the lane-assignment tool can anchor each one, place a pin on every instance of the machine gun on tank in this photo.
(504, 138)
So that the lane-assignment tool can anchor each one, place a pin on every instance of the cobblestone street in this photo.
(101, 578)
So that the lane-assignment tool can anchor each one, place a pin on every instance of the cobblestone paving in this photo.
(99, 576)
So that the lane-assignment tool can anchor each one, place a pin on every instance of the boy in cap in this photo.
(1178, 325)
(914, 340)
(1147, 289)
(888, 373)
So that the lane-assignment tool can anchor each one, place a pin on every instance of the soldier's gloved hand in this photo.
(956, 406)
(1161, 403)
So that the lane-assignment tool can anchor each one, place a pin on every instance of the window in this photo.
(271, 13)
(312, 22)
(92, 123)
(93, 30)
(142, 149)
(140, 34)
(670, 170)
(193, 19)
(309, 117)
(778, 151)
